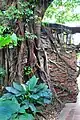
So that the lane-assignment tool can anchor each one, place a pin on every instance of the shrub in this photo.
(21, 100)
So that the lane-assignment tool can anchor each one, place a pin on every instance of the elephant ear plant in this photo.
(21, 100)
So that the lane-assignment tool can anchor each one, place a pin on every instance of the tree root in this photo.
(55, 47)
(55, 63)
(62, 88)
(46, 79)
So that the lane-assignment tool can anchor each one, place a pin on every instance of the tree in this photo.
(20, 40)
(20, 37)
(62, 12)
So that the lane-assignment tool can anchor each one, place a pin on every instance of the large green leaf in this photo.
(12, 90)
(45, 94)
(17, 86)
(34, 96)
(5, 41)
(22, 109)
(24, 87)
(7, 96)
(26, 104)
(32, 83)
(32, 107)
(14, 117)
(7, 108)
(26, 116)
(40, 87)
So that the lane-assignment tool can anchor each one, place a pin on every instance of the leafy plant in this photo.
(7, 39)
(26, 97)
(62, 12)
(7, 108)
(24, 8)
(27, 70)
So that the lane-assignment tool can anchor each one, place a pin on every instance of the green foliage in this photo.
(27, 70)
(8, 108)
(32, 83)
(11, 13)
(3, 29)
(26, 116)
(22, 100)
(8, 19)
(7, 39)
(24, 9)
(62, 12)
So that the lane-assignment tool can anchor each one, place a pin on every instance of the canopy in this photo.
(64, 17)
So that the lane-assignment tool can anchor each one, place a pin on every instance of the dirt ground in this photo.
(52, 111)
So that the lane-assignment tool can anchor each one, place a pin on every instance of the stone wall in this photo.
(63, 72)
(63, 77)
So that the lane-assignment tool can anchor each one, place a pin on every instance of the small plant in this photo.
(27, 70)
(21, 101)
(7, 39)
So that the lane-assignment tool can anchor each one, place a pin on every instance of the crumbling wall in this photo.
(63, 77)
(63, 72)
